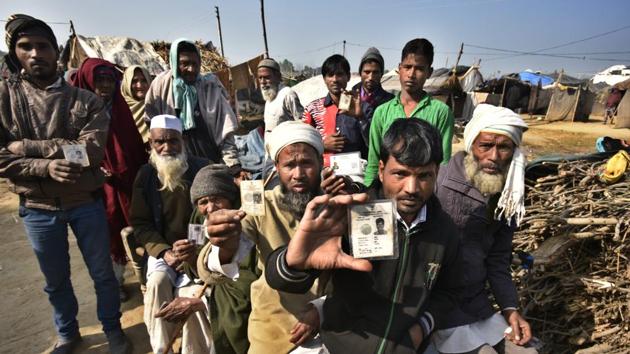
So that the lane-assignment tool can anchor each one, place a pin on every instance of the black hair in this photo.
(335, 64)
(418, 46)
(369, 61)
(187, 47)
(379, 221)
(412, 142)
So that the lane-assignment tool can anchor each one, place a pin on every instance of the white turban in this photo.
(292, 132)
(166, 121)
(493, 119)
(499, 120)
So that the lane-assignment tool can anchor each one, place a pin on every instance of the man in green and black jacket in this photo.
(379, 306)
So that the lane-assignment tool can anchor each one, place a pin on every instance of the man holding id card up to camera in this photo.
(392, 302)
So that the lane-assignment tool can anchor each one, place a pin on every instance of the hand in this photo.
(334, 185)
(416, 334)
(106, 172)
(355, 107)
(171, 259)
(64, 171)
(242, 176)
(180, 308)
(16, 148)
(224, 230)
(184, 250)
(521, 331)
(334, 142)
(306, 328)
(317, 241)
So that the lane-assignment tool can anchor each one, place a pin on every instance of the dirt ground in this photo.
(26, 325)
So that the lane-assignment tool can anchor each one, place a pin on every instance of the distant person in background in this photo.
(135, 84)
(341, 131)
(414, 69)
(614, 97)
(124, 154)
(281, 102)
(199, 101)
(371, 69)
(39, 113)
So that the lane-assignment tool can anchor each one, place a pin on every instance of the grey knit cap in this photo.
(214, 180)
(269, 63)
(372, 54)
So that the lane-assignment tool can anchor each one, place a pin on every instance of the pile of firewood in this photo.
(577, 295)
(211, 59)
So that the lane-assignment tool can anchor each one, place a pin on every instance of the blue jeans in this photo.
(48, 234)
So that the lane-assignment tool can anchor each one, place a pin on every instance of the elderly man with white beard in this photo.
(281, 102)
(160, 211)
(482, 189)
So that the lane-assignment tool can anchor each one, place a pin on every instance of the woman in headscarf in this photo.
(135, 84)
(124, 153)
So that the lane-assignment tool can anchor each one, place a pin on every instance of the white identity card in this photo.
(76, 154)
(253, 197)
(346, 164)
(344, 101)
(195, 234)
(372, 230)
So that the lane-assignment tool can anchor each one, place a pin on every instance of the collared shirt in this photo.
(420, 218)
(323, 114)
(429, 109)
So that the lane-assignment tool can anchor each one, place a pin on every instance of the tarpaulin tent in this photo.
(622, 120)
(535, 78)
(613, 75)
(569, 103)
(122, 51)
(314, 88)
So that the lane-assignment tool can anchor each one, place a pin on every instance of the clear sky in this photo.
(306, 32)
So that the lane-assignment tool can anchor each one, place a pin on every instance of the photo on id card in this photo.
(195, 234)
(253, 197)
(372, 230)
(76, 153)
(346, 164)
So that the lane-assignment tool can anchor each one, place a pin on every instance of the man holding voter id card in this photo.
(390, 284)
(160, 211)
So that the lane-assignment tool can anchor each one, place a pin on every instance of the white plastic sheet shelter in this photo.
(314, 88)
(122, 51)
(613, 75)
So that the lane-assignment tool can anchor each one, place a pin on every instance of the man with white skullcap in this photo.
(160, 211)
(482, 188)
(296, 149)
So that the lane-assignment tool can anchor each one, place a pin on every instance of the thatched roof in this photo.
(211, 60)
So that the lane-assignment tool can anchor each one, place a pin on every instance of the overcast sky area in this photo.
(306, 32)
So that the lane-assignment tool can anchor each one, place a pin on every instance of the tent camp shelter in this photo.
(569, 103)
(122, 51)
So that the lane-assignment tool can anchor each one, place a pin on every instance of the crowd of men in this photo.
(162, 158)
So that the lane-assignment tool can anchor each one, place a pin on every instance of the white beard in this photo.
(170, 169)
(486, 183)
(269, 93)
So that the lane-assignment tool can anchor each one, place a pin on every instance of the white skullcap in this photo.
(292, 132)
(166, 121)
(493, 119)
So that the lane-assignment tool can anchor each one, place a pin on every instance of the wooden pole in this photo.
(262, 14)
(216, 9)
(459, 55)
(344, 47)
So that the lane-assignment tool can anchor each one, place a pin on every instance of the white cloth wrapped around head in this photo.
(166, 121)
(499, 120)
(493, 119)
(292, 132)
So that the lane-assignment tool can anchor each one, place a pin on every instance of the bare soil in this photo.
(26, 325)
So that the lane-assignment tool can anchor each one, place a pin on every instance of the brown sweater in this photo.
(34, 124)
(176, 211)
(274, 313)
